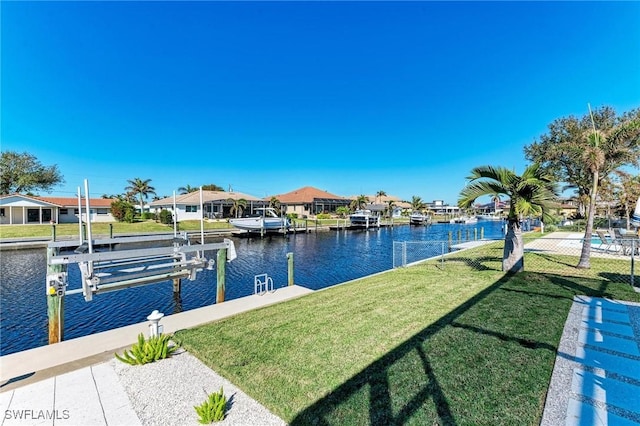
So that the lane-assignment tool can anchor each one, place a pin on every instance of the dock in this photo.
(35, 364)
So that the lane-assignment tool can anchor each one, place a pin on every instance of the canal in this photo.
(322, 260)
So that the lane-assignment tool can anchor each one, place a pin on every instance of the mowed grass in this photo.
(459, 343)
(103, 229)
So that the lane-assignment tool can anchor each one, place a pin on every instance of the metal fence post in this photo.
(633, 258)
(404, 253)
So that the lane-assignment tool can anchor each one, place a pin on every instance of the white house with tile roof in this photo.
(18, 209)
(216, 204)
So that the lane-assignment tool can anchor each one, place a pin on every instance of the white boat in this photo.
(466, 220)
(419, 219)
(266, 220)
(488, 217)
(364, 218)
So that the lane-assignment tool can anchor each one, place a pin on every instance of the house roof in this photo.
(73, 201)
(62, 201)
(305, 194)
(207, 196)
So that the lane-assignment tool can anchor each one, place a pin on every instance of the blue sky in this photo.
(349, 97)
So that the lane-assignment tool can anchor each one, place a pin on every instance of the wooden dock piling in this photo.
(290, 268)
(55, 302)
(221, 261)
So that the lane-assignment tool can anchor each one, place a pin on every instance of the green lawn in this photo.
(459, 343)
(103, 229)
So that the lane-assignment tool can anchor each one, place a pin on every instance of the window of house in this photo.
(2, 211)
(76, 211)
(191, 209)
(103, 211)
(64, 211)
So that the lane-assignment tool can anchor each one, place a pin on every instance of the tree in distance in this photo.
(23, 173)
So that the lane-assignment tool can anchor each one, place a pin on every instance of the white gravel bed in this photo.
(165, 392)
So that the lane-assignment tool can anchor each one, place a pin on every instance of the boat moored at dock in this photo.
(419, 219)
(364, 218)
(267, 220)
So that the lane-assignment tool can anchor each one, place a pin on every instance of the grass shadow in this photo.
(376, 378)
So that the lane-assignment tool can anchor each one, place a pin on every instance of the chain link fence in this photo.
(613, 260)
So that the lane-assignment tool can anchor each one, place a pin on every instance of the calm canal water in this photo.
(321, 260)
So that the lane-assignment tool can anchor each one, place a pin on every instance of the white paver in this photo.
(115, 402)
(605, 341)
(77, 394)
(32, 405)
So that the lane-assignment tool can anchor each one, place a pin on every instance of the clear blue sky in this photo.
(349, 97)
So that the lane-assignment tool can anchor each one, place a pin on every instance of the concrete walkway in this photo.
(72, 383)
(596, 377)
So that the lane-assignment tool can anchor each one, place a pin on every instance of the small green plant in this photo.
(213, 409)
(146, 351)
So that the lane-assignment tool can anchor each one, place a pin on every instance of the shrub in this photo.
(213, 409)
(292, 215)
(148, 216)
(323, 216)
(146, 351)
(122, 211)
(550, 228)
(166, 217)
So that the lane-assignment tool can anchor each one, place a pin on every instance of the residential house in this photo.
(18, 209)
(216, 204)
(309, 201)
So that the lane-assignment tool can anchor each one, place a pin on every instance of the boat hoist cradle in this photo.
(120, 263)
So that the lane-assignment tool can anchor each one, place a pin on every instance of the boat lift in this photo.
(104, 271)
(124, 262)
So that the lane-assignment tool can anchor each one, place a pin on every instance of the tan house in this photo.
(18, 209)
(309, 201)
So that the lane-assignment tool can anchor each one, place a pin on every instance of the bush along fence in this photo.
(614, 260)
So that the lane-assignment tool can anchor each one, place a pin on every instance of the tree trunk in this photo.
(513, 256)
(585, 255)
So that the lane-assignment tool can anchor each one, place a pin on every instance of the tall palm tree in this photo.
(593, 157)
(533, 193)
(237, 206)
(379, 196)
(141, 188)
(187, 189)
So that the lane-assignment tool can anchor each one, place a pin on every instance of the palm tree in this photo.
(342, 211)
(390, 205)
(496, 201)
(275, 204)
(237, 206)
(416, 203)
(593, 157)
(140, 188)
(533, 193)
(379, 196)
(359, 202)
(187, 189)
(627, 192)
